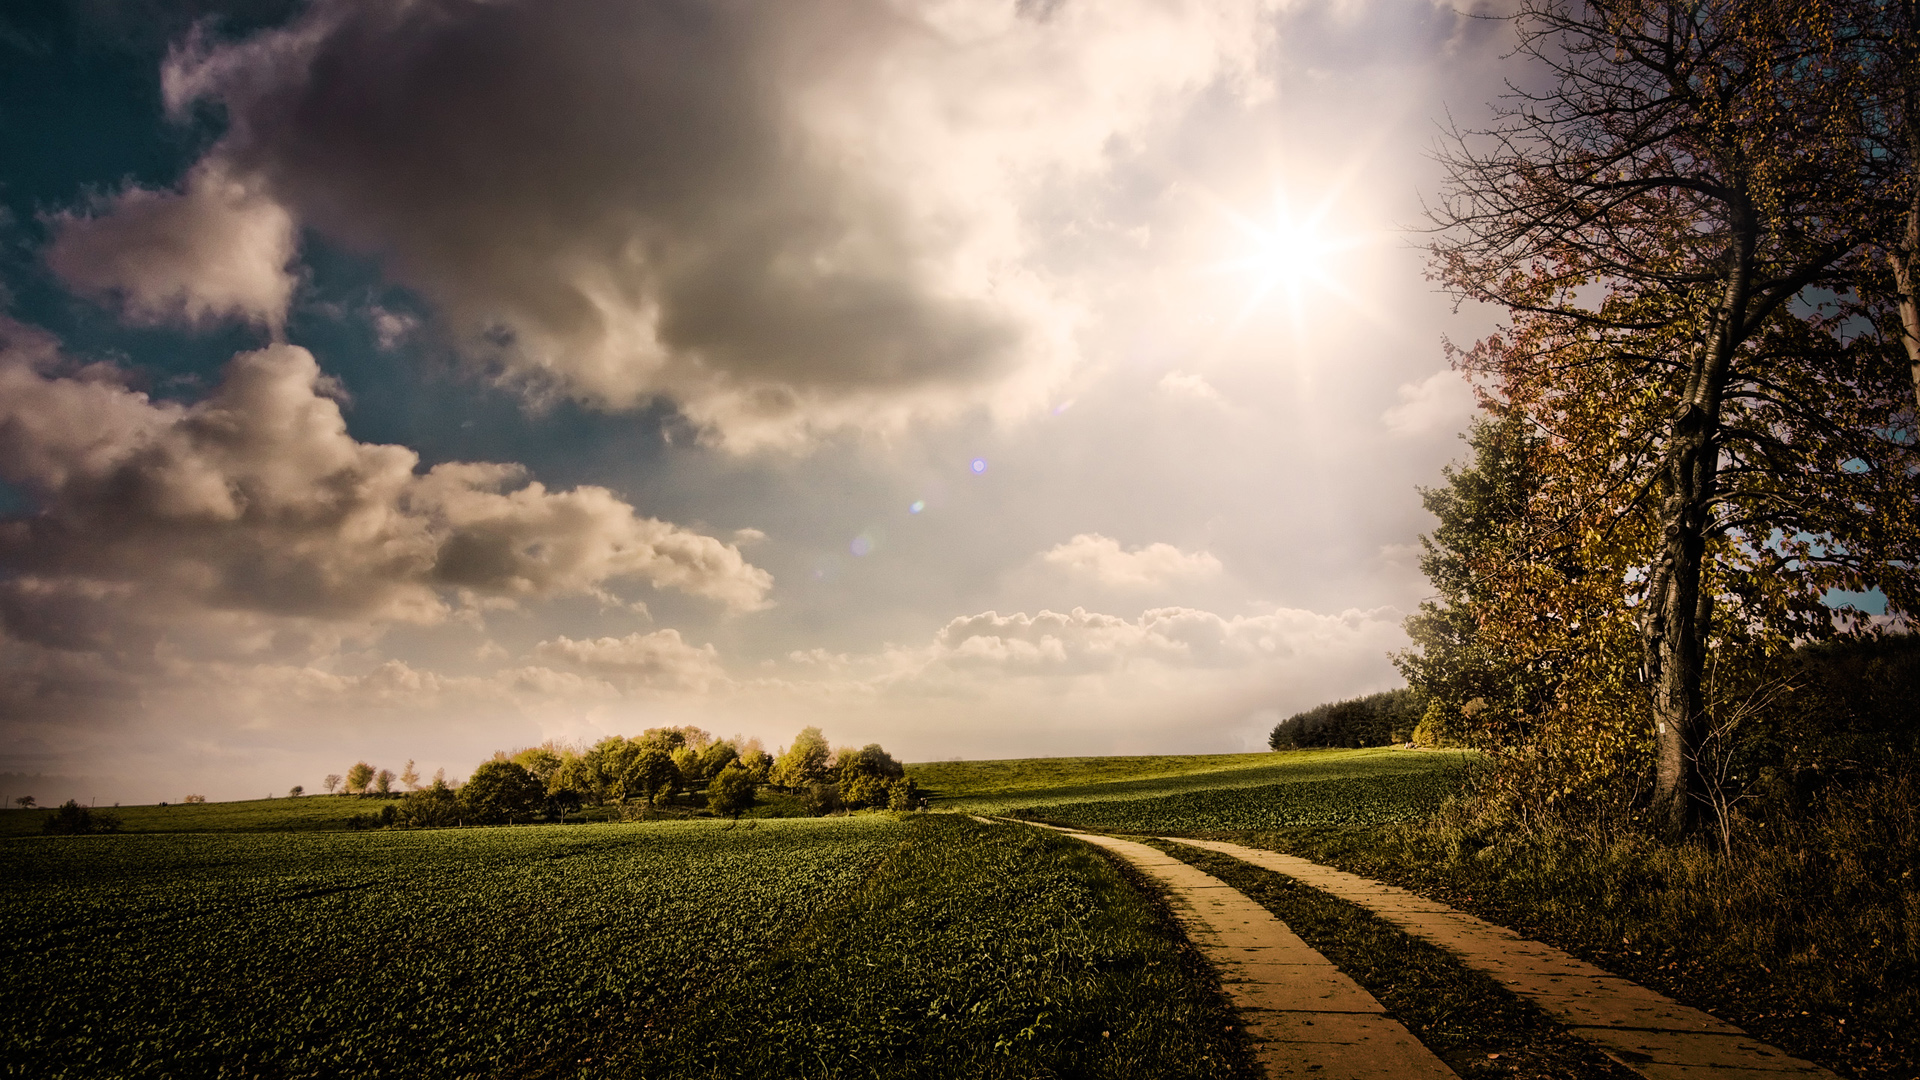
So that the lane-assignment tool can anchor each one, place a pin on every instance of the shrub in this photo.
(823, 799)
(500, 791)
(730, 792)
(72, 819)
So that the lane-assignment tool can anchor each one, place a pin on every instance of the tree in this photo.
(730, 791)
(651, 775)
(410, 776)
(26, 802)
(1658, 225)
(296, 791)
(804, 763)
(542, 761)
(866, 775)
(331, 782)
(383, 781)
(359, 777)
(72, 819)
(434, 806)
(500, 791)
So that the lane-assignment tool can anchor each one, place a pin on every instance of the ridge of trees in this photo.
(660, 768)
(1381, 719)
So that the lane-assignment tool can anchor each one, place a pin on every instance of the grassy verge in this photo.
(1808, 936)
(1351, 800)
(972, 951)
(1476, 1026)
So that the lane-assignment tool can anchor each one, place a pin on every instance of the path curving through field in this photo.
(1304, 1017)
(1647, 1032)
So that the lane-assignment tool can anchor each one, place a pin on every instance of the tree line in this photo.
(661, 768)
(1697, 461)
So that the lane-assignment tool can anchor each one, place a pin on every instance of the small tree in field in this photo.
(501, 791)
(730, 792)
(359, 777)
(26, 802)
(383, 781)
(410, 776)
(331, 783)
(296, 791)
(804, 763)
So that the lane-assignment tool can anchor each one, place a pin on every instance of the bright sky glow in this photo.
(1291, 255)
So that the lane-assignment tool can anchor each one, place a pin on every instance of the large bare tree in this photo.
(1663, 205)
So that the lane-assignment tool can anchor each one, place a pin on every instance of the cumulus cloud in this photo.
(1441, 402)
(1101, 559)
(786, 218)
(660, 658)
(216, 249)
(257, 502)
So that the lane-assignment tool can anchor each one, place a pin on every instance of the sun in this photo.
(1289, 254)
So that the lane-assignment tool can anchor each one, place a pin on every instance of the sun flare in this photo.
(1290, 255)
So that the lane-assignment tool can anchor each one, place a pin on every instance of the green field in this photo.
(651, 949)
(314, 812)
(1044, 787)
(1340, 802)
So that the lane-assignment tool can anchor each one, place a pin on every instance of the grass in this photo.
(992, 787)
(310, 813)
(1350, 800)
(1808, 936)
(317, 954)
(973, 951)
(896, 944)
(1471, 1022)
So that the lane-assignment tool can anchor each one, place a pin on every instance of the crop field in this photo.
(594, 950)
(1342, 801)
(448, 953)
(996, 787)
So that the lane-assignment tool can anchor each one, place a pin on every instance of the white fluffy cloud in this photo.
(257, 502)
(1102, 559)
(1441, 402)
(216, 249)
(786, 217)
(660, 658)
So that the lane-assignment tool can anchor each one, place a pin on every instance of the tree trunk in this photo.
(1679, 607)
(1901, 259)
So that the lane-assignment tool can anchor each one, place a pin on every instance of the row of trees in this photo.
(1382, 719)
(1700, 416)
(661, 767)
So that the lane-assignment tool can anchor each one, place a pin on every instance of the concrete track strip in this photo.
(1653, 1035)
(1304, 1017)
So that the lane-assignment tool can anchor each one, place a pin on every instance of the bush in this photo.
(730, 792)
(823, 799)
(500, 791)
(72, 819)
(435, 806)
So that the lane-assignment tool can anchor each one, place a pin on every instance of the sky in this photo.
(411, 379)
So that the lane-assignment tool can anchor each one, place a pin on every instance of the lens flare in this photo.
(916, 506)
(979, 465)
(862, 545)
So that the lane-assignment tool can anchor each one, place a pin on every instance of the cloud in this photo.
(660, 658)
(1181, 384)
(256, 502)
(786, 218)
(216, 249)
(1101, 559)
(1441, 402)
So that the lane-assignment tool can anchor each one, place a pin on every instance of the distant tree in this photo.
(717, 756)
(410, 776)
(296, 791)
(72, 819)
(500, 791)
(440, 777)
(331, 782)
(542, 761)
(434, 806)
(804, 763)
(823, 799)
(688, 761)
(194, 799)
(359, 777)
(758, 763)
(730, 791)
(1374, 720)
(651, 775)
(866, 775)
(383, 781)
(902, 794)
(26, 802)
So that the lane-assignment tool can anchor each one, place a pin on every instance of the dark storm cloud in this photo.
(616, 199)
